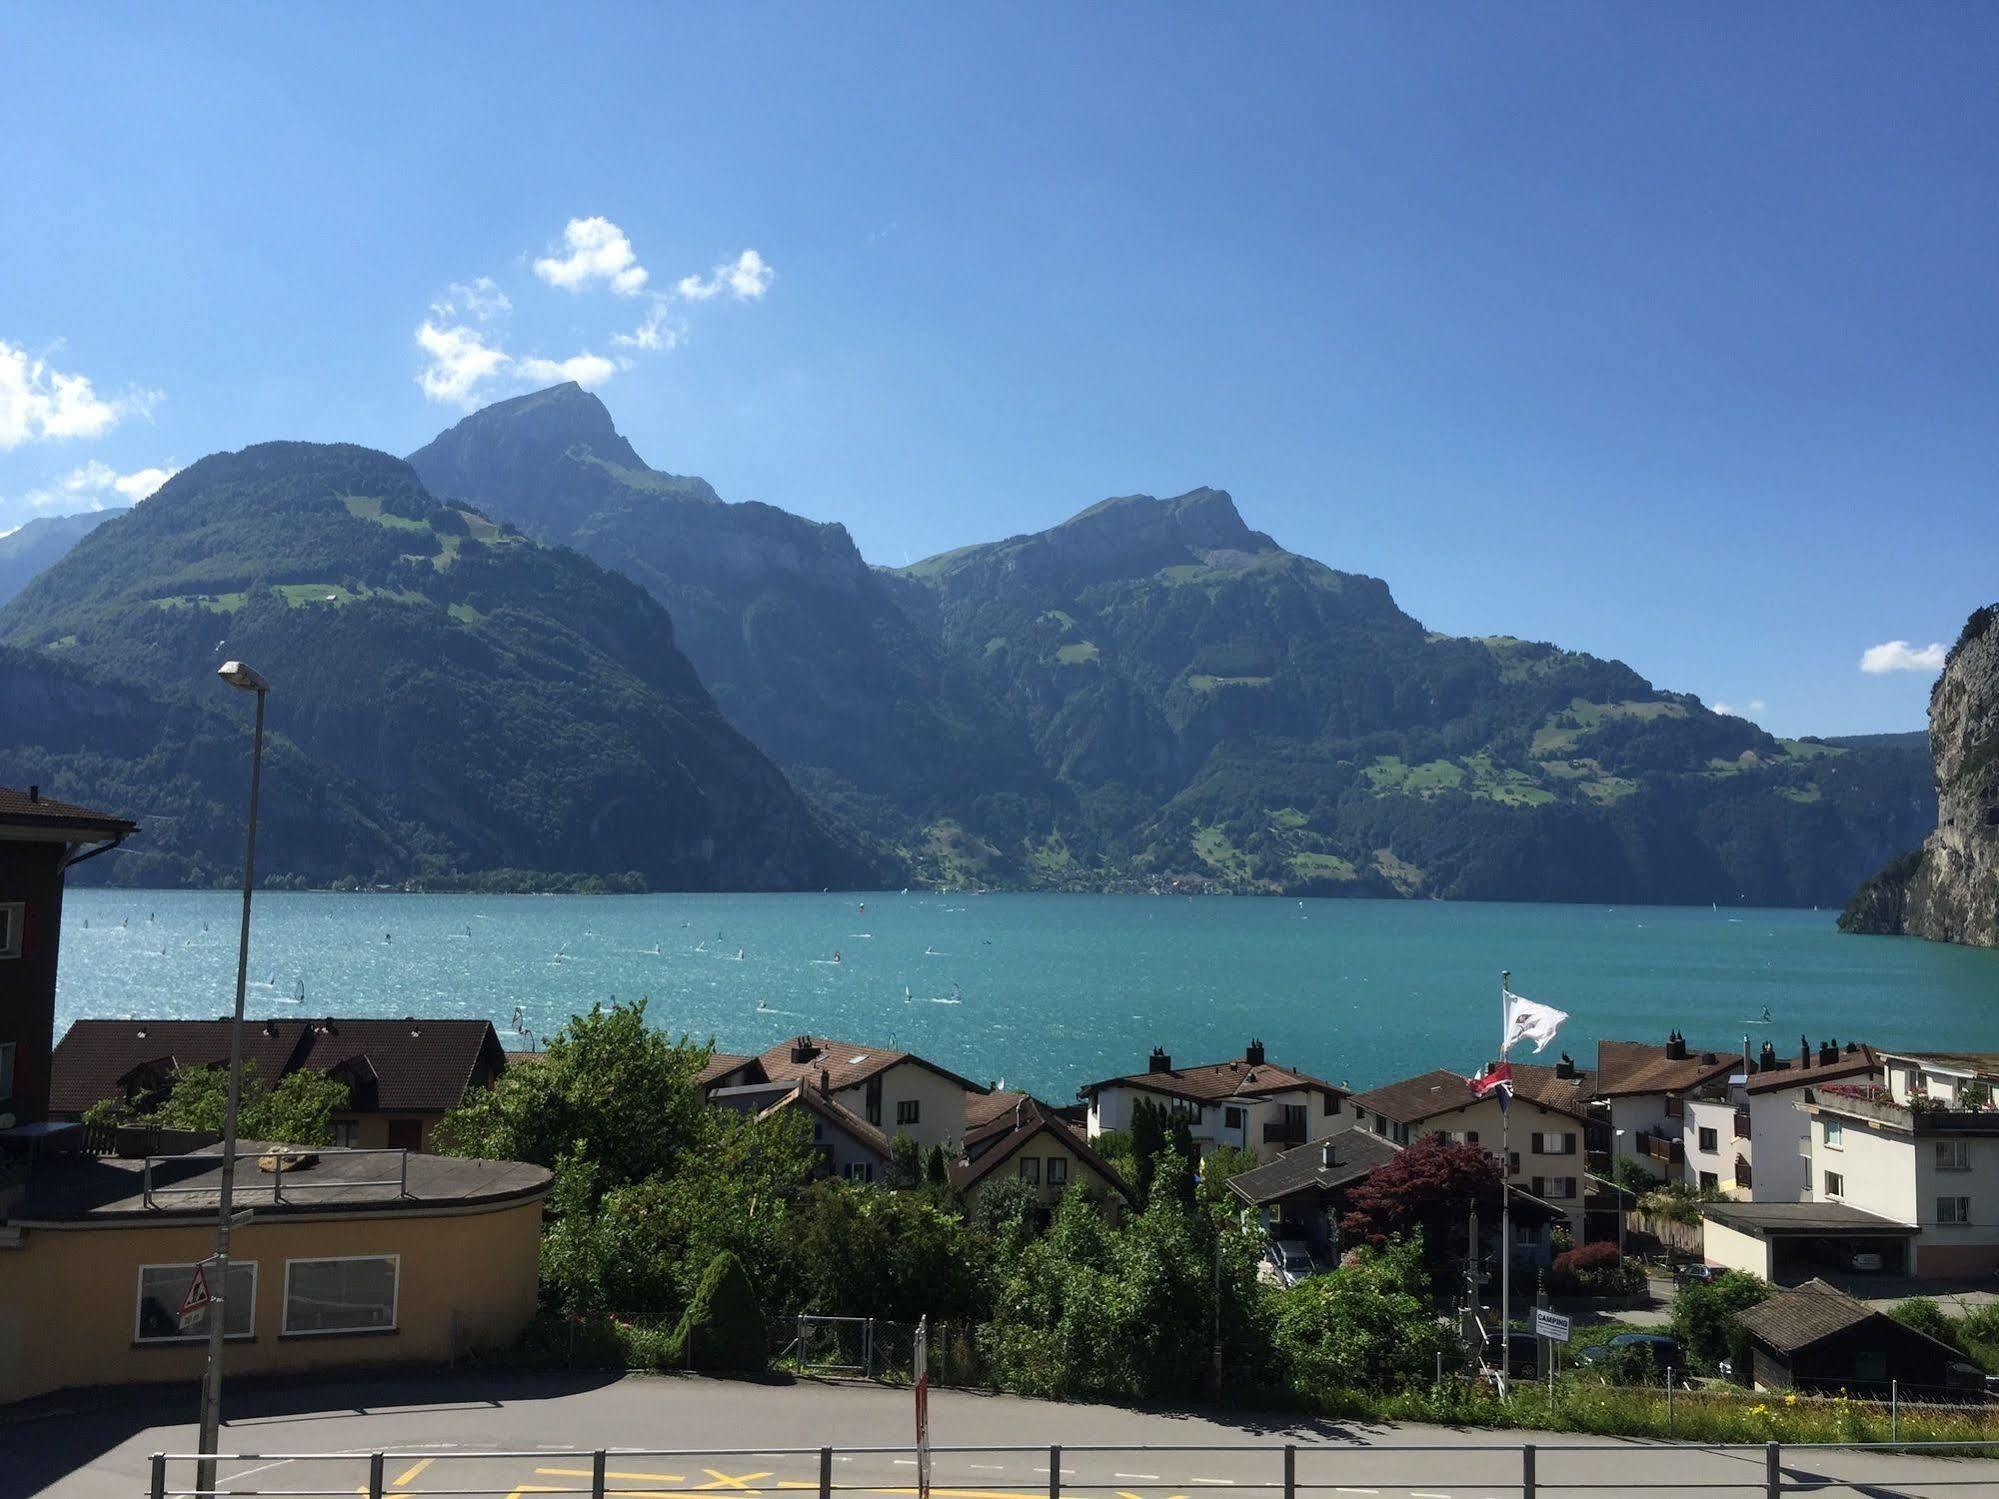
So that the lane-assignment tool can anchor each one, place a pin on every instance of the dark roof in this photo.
(64, 822)
(845, 1064)
(1789, 1074)
(982, 1109)
(419, 1066)
(1214, 1081)
(86, 1189)
(719, 1066)
(1000, 1137)
(1766, 1218)
(1792, 1320)
(1357, 1152)
(1428, 1094)
(1624, 1068)
(834, 1113)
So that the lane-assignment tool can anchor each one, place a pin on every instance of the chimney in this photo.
(1329, 1155)
(1254, 1054)
(34, 793)
(1766, 1061)
(1853, 1048)
(1828, 1053)
(1709, 1059)
(270, 1027)
(1804, 1051)
(825, 1085)
(801, 1050)
(1676, 1047)
(1159, 1061)
(1020, 1113)
(1566, 1067)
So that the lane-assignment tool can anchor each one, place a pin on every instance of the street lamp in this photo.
(245, 679)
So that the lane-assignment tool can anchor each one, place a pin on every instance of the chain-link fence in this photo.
(875, 1348)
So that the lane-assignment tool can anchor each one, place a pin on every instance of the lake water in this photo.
(1043, 991)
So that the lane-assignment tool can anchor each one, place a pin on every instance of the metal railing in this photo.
(610, 1472)
(246, 1195)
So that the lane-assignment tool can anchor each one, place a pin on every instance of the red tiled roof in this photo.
(1628, 1067)
(719, 1066)
(845, 1064)
(1000, 1137)
(30, 809)
(419, 1066)
(834, 1113)
(1428, 1094)
(982, 1109)
(1789, 1074)
(1214, 1081)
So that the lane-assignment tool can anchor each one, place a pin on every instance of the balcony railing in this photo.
(1742, 1124)
(1284, 1132)
(1742, 1173)
(1669, 1148)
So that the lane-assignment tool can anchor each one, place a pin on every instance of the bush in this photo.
(1704, 1319)
(1925, 1316)
(1364, 1326)
(1595, 1270)
(722, 1330)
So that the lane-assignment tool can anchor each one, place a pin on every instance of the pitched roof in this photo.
(1629, 1067)
(1787, 1073)
(1795, 1319)
(982, 1109)
(720, 1065)
(1213, 1081)
(995, 1142)
(35, 813)
(1356, 1153)
(845, 1064)
(1441, 1091)
(419, 1066)
(834, 1113)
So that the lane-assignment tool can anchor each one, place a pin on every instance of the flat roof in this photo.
(85, 1190)
(1782, 1219)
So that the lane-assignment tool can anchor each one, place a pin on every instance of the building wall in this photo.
(1641, 1113)
(1208, 1123)
(940, 1104)
(371, 1131)
(68, 1296)
(1485, 1120)
(1720, 1162)
(1782, 1160)
(31, 873)
(1878, 1166)
(1041, 1149)
(1733, 1249)
(1957, 1248)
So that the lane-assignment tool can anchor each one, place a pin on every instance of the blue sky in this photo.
(1667, 333)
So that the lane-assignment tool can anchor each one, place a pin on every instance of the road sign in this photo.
(197, 1300)
(1549, 1324)
(921, 1359)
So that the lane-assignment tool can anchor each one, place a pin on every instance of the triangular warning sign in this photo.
(197, 1298)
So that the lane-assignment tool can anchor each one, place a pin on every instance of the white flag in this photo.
(1527, 1021)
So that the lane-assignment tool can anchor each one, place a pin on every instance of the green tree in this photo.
(1925, 1315)
(299, 1111)
(1148, 1138)
(1367, 1325)
(723, 1328)
(905, 1164)
(936, 1170)
(1704, 1319)
(857, 1252)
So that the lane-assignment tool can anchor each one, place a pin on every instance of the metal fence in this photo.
(1526, 1468)
(876, 1348)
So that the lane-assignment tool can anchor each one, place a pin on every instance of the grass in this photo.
(362, 507)
(465, 614)
(1202, 682)
(996, 644)
(1322, 867)
(1404, 876)
(1077, 653)
(1286, 818)
(1566, 727)
(1214, 848)
(214, 603)
(1798, 749)
(1806, 794)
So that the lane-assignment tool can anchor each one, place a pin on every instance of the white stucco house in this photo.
(1249, 1102)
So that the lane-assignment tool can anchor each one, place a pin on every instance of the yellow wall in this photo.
(372, 1130)
(941, 1104)
(68, 1295)
(1041, 1148)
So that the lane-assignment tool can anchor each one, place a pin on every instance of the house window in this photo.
(1833, 1133)
(341, 1295)
(162, 1289)
(1231, 1118)
(1556, 1188)
(346, 1132)
(1380, 1125)
(1332, 1103)
(1471, 1137)
(1709, 1180)
(1030, 1169)
(1675, 1106)
(13, 916)
(1954, 1210)
(907, 1110)
(1835, 1184)
(858, 1171)
(1058, 1171)
(1512, 1163)
(1952, 1155)
(1709, 1141)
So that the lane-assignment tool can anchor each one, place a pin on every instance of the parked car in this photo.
(1866, 1261)
(1699, 1275)
(1288, 1261)
(1666, 1353)
(1523, 1354)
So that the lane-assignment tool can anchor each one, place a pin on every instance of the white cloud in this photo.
(37, 402)
(1757, 705)
(586, 369)
(460, 358)
(1899, 655)
(480, 298)
(746, 278)
(598, 251)
(1723, 709)
(655, 334)
(97, 486)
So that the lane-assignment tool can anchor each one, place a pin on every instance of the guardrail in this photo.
(248, 1193)
(1503, 1468)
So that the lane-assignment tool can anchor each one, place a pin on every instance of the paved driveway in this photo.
(526, 1437)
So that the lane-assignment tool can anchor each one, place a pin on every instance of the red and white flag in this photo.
(1496, 1077)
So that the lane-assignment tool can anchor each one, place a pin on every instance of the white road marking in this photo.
(994, 1468)
(1153, 1477)
(905, 1462)
(1356, 1491)
(248, 1471)
(1419, 1494)
(1229, 1482)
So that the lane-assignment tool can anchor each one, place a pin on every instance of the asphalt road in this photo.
(525, 1437)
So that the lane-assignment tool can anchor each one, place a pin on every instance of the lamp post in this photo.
(244, 679)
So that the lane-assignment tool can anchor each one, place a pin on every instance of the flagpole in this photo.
(1505, 1208)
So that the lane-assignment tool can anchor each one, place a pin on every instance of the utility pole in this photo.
(1505, 1203)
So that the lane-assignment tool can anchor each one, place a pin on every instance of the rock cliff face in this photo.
(1948, 890)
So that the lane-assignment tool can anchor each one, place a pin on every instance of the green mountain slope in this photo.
(449, 697)
(1232, 713)
(41, 543)
(798, 638)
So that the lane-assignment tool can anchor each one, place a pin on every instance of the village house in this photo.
(1642, 1092)
(1250, 1103)
(1302, 1194)
(896, 1092)
(1777, 1124)
(1549, 1132)
(847, 1145)
(402, 1076)
(1015, 1136)
(1815, 1337)
(347, 1257)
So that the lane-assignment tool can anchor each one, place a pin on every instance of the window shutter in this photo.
(1537, 1145)
(1538, 1187)
(1569, 1143)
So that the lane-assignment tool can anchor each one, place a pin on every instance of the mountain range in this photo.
(1149, 695)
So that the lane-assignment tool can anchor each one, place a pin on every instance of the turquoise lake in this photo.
(1043, 991)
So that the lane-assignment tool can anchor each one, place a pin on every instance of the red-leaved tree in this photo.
(1427, 1188)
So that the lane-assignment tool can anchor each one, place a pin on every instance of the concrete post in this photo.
(1290, 1471)
(159, 1475)
(597, 1474)
(1526, 1470)
(825, 1473)
(1773, 1473)
(1055, 1472)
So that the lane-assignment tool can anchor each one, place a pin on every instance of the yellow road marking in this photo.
(410, 1477)
(586, 1474)
(732, 1481)
(971, 1493)
(529, 1488)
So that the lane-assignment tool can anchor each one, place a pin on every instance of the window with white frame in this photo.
(1954, 1210)
(355, 1294)
(1835, 1184)
(162, 1288)
(1833, 1134)
(908, 1110)
(1952, 1155)
(13, 916)
(1058, 1171)
(1030, 1169)
(347, 1132)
